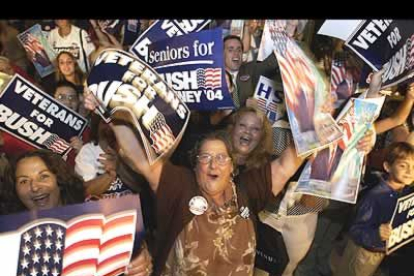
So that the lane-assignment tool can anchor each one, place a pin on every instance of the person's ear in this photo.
(386, 166)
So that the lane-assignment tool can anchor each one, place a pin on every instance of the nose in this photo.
(213, 162)
(248, 130)
(34, 187)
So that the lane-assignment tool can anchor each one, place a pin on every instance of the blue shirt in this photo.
(375, 209)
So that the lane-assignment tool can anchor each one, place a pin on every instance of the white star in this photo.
(59, 233)
(37, 245)
(55, 272)
(49, 230)
(24, 263)
(38, 232)
(46, 257)
(33, 272)
(58, 245)
(26, 250)
(56, 258)
(48, 244)
(45, 271)
(27, 237)
(35, 258)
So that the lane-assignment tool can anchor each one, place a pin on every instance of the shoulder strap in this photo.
(85, 58)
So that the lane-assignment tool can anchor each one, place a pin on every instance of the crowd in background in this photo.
(220, 151)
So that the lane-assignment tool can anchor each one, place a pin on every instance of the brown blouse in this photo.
(186, 244)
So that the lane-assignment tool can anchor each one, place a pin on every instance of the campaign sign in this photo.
(36, 118)
(38, 50)
(270, 100)
(402, 223)
(386, 43)
(305, 91)
(94, 238)
(335, 172)
(163, 29)
(127, 87)
(193, 65)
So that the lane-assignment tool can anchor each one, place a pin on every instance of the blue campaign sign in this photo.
(36, 118)
(386, 43)
(162, 29)
(402, 223)
(123, 83)
(93, 238)
(193, 65)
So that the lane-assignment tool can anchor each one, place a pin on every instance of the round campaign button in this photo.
(198, 205)
(244, 78)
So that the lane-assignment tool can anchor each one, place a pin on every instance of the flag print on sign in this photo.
(297, 75)
(161, 134)
(338, 73)
(56, 144)
(209, 77)
(270, 108)
(91, 245)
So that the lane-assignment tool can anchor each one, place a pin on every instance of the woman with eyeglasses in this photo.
(203, 216)
(67, 95)
(204, 220)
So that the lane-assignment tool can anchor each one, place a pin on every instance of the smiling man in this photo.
(245, 76)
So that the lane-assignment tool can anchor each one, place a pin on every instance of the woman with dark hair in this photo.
(56, 182)
(203, 220)
(67, 68)
(41, 180)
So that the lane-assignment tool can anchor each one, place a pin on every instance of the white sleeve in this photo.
(85, 163)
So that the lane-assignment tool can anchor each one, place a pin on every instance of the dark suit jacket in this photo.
(320, 166)
(249, 74)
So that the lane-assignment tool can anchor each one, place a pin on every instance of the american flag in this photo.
(209, 77)
(298, 74)
(270, 108)
(161, 135)
(87, 246)
(56, 144)
(261, 103)
(338, 72)
(31, 43)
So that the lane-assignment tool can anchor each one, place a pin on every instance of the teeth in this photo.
(244, 140)
(40, 199)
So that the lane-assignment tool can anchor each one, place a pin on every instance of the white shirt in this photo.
(86, 162)
(72, 43)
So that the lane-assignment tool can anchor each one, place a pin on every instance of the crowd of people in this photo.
(231, 169)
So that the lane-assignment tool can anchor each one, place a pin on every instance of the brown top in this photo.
(175, 225)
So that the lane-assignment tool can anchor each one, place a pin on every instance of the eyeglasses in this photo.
(66, 97)
(206, 158)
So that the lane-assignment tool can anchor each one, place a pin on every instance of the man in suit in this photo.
(246, 75)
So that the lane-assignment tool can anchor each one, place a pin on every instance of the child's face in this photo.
(401, 172)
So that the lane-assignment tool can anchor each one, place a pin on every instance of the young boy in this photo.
(371, 227)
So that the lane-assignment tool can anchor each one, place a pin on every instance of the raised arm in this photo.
(130, 147)
(134, 155)
(375, 84)
(400, 115)
(284, 167)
